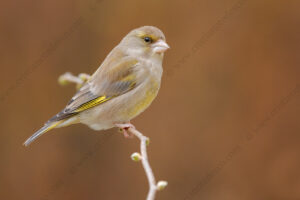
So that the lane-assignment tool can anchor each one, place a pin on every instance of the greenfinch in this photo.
(122, 87)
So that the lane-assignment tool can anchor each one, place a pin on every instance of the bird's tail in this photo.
(47, 127)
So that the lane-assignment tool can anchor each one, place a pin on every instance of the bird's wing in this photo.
(107, 83)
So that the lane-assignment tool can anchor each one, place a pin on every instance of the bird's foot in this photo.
(124, 128)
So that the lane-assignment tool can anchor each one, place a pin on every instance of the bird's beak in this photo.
(160, 46)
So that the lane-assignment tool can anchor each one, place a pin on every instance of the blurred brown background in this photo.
(224, 126)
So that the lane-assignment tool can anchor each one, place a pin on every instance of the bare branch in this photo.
(153, 186)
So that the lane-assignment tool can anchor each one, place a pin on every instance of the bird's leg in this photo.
(124, 128)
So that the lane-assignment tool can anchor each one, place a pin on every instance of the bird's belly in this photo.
(121, 109)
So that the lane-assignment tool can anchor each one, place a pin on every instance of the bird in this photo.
(123, 86)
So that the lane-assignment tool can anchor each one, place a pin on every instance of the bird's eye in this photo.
(147, 39)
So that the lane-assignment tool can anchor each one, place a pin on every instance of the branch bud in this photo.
(161, 185)
(63, 81)
(136, 157)
(147, 141)
(84, 77)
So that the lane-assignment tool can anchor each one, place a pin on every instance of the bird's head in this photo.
(147, 41)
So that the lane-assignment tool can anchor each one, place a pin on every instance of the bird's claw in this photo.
(124, 128)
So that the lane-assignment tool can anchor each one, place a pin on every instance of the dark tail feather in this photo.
(47, 127)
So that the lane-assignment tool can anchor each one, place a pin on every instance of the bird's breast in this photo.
(145, 99)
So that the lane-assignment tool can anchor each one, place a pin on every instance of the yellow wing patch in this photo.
(92, 103)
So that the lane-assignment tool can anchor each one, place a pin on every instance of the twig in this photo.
(153, 186)
(68, 78)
